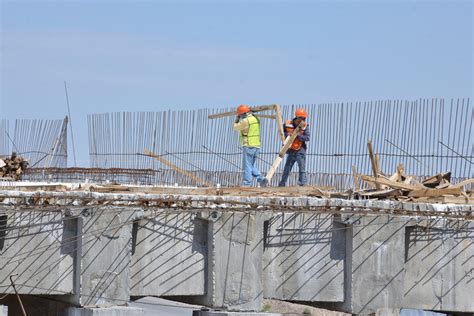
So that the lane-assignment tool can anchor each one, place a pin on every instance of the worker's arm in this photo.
(304, 137)
(242, 125)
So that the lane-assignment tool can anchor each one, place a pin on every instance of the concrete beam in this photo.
(169, 255)
(234, 274)
(304, 257)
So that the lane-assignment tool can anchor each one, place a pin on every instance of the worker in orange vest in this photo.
(297, 151)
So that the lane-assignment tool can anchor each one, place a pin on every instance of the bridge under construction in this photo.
(383, 225)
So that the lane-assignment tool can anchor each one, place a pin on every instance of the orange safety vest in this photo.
(289, 128)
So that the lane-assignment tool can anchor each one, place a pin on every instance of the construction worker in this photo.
(249, 127)
(297, 151)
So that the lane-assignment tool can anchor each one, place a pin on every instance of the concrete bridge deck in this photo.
(98, 249)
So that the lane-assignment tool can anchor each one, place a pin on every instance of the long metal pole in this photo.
(70, 124)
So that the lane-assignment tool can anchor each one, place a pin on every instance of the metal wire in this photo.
(339, 131)
(42, 142)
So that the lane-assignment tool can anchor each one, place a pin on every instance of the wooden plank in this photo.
(273, 117)
(254, 109)
(373, 163)
(392, 184)
(356, 179)
(381, 194)
(434, 181)
(377, 164)
(289, 140)
(286, 145)
(463, 183)
(279, 121)
(273, 168)
(434, 192)
(452, 199)
(443, 184)
(176, 168)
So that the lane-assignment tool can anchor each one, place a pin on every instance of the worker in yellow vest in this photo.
(249, 127)
(297, 151)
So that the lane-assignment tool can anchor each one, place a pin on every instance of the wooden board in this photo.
(463, 183)
(237, 191)
(279, 121)
(392, 184)
(447, 199)
(373, 162)
(289, 140)
(356, 178)
(286, 145)
(272, 117)
(434, 192)
(176, 168)
(255, 109)
(434, 181)
(381, 194)
(273, 168)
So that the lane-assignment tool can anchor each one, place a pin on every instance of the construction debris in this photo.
(399, 186)
(12, 168)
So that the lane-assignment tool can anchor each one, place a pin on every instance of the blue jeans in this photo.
(291, 158)
(249, 159)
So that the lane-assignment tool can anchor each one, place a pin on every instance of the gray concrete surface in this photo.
(304, 258)
(169, 255)
(98, 249)
(234, 275)
(36, 251)
(105, 256)
(225, 313)
(402, 262)
(111, 311)
(375, 272)
(153, 306)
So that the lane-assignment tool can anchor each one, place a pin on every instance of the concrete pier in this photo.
(96, 250)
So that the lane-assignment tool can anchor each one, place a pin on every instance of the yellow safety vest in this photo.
(253, 134)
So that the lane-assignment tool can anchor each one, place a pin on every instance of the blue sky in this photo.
(152, 56)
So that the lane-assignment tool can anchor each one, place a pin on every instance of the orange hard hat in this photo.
(242, 109)
(301, 113)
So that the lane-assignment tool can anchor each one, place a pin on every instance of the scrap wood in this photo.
(412, 181)
(447, 199)
(277, 191)
(434, 181)
(374, 164)
(381, 194)
(109, 188)
(13, 167)
(176, 168)
(387, 182)
(356, 178)
(463, 183)
(399, 175)
(434, 192)
(443, 184)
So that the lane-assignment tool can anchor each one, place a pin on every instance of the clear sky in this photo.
(157, 55)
